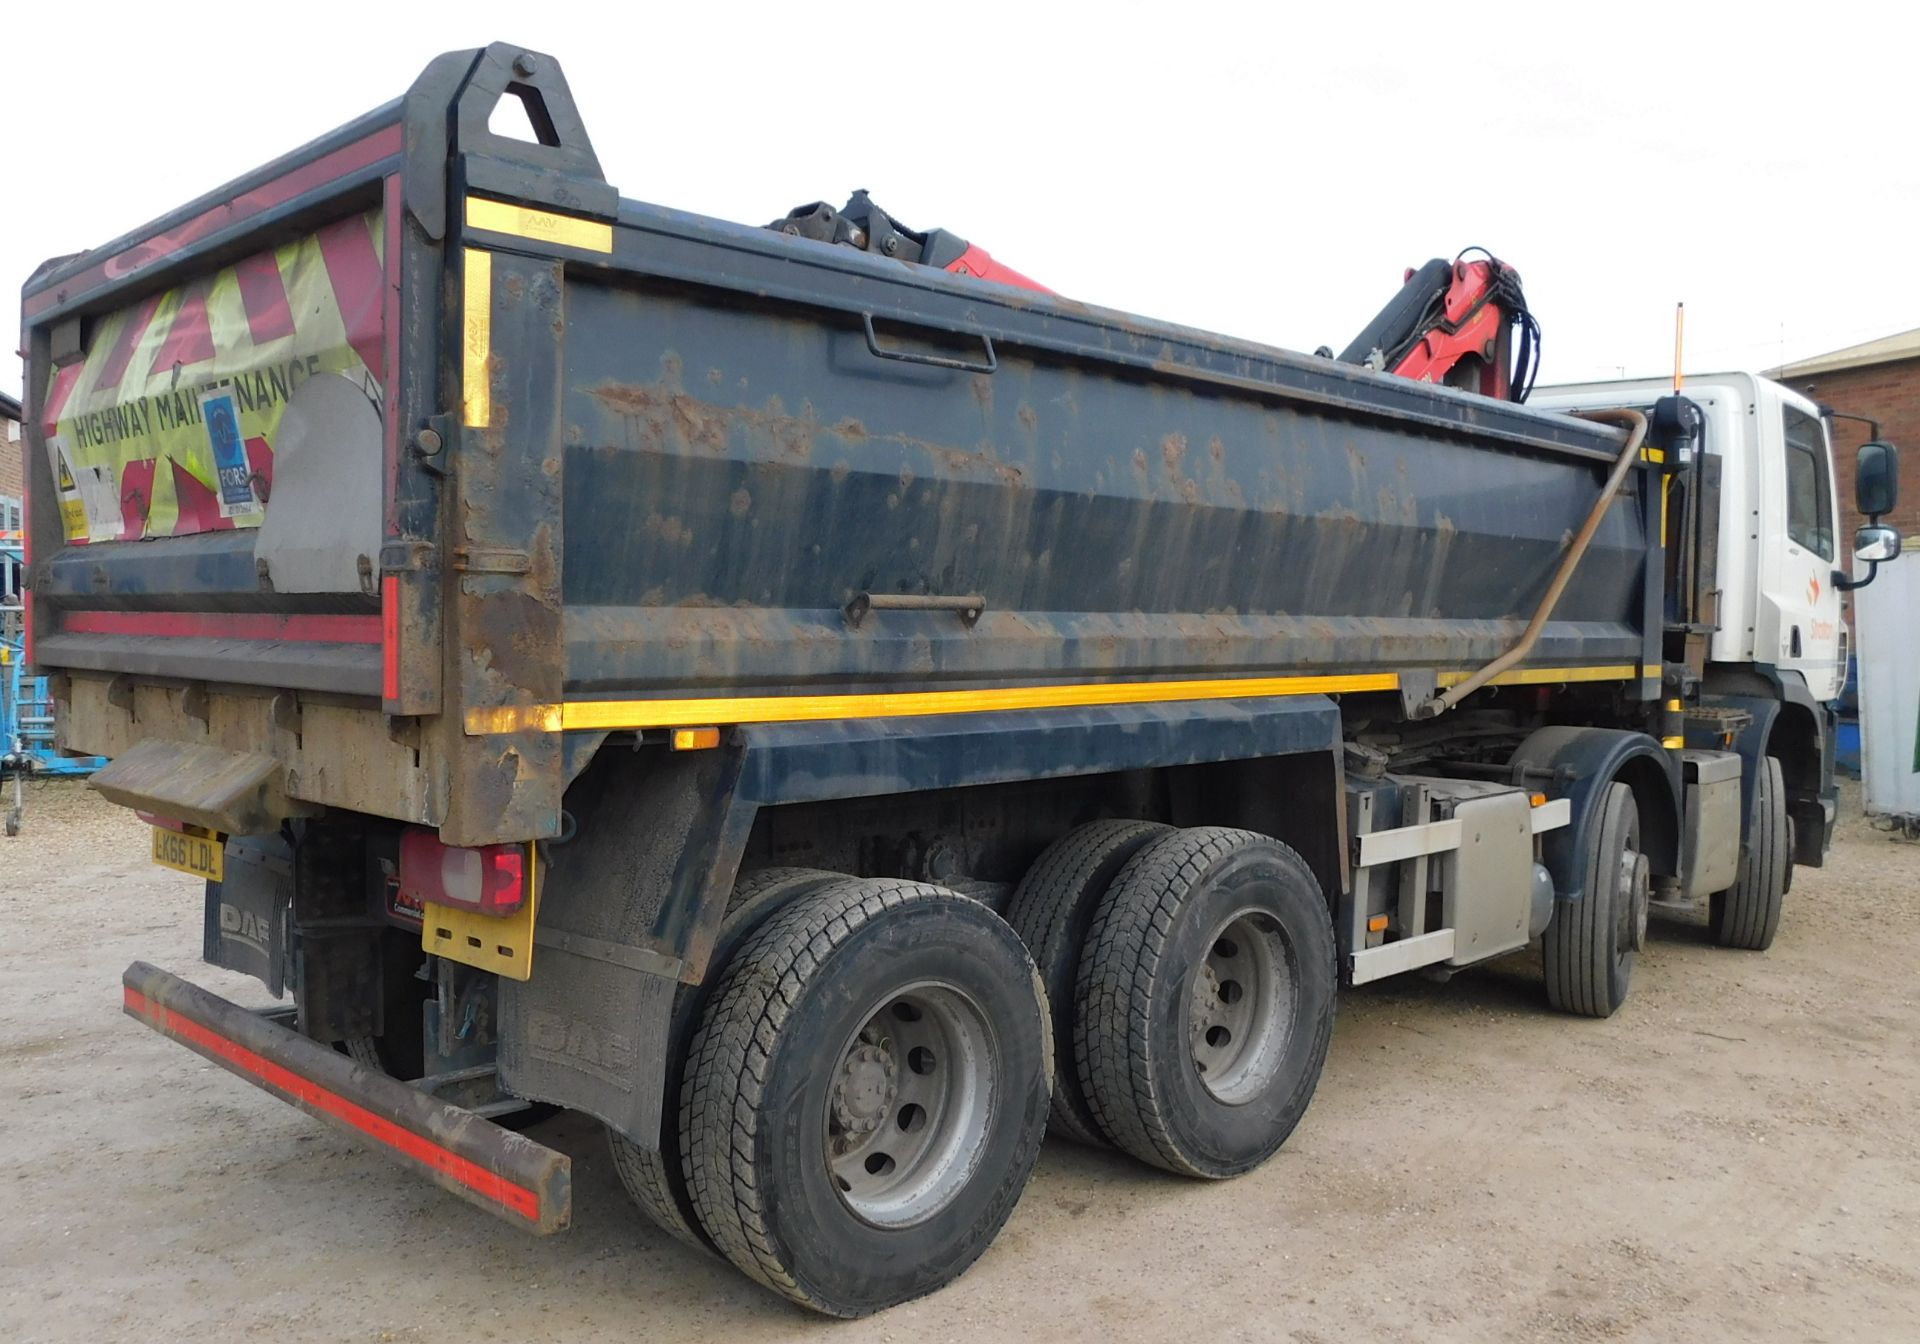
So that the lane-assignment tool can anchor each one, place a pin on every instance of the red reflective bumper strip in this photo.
(501, 1191)
(322, 629)
(342, 161)
(390, 636)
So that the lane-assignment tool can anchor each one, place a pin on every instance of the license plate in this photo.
(197, 855)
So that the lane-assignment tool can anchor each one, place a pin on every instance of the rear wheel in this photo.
(866, 1094)
(401, 1050)
(1205, 1001)
(653, 1176)
(1747, 914)
(1050, 911)
(1589, 945)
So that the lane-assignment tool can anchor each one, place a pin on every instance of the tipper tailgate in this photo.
(215, 452)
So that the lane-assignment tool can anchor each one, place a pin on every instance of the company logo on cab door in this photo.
(1813, 592)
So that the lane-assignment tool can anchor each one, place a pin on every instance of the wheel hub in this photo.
(1241, 1011)
(1204, 1011)
(908, 1111)
(865, 1092)
(1636, 887)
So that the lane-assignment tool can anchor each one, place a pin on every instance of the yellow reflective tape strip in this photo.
(612, 714)
(477, 340)
(898, 704)
(1552, 676)
(542, 226)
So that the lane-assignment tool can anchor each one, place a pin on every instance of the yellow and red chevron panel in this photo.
(167, 426)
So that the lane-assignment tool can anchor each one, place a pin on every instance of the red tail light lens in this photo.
(490, 880)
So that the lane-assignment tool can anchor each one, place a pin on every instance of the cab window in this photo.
(1809, 498)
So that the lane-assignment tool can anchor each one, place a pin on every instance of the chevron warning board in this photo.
(167, 425)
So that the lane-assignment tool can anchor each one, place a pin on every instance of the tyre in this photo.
(1205, 1001)
(1747, 914)
(866, 1094)
(1051, 910)
(401, 1051)
(1589, 945)
(653, 1176)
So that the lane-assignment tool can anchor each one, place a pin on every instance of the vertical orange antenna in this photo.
(1679, 339)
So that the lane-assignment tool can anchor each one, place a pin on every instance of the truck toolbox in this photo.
(833, 710)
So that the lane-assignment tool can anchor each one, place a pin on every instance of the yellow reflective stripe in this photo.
(627, 714)
(898, 704)
(1551, 676)
(542, 226)
(477, 340)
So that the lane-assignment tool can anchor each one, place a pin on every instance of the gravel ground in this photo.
(1732, 1156)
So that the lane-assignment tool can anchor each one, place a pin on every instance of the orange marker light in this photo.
(695, 739)
(1377, 924)
(1538, 800)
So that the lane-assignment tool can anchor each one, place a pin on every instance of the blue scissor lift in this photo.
(26, 707)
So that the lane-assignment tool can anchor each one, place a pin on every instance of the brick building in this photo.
(1880, 380)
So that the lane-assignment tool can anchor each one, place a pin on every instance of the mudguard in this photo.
(1582, 762)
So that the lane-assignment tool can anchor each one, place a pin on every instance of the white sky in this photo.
(1265, 171)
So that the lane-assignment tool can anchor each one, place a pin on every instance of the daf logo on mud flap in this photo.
(243, 926)
(592, 1049)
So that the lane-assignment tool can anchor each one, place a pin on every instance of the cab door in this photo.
(1799, 546)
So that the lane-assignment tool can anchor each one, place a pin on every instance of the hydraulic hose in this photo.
(1636, 425)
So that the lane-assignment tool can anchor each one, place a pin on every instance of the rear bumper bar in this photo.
(508, 1174)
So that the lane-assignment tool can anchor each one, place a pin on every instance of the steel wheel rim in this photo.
(908, 1104)
(1243, 1006)
(1633, 885)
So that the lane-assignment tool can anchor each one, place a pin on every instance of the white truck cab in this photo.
(1761, 634)
(1779, 551)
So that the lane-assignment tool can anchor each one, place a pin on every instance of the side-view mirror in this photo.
(1876, 542)
(1876, 480)
(1873, 545)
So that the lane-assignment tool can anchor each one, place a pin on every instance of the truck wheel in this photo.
(402, 1051)
(1205, 1001)
(1747, 914)
(652, 1175)
(1051, 910)
(1589, 944)
(867, 1092)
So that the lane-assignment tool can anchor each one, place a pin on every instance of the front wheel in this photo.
(1747, 914)
(866, 1094)
(1588, 947)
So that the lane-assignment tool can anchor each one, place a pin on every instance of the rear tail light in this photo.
(490, 880)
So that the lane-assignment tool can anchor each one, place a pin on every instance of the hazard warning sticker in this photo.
(88, 504)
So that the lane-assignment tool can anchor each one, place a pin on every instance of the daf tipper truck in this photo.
(832, 710)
